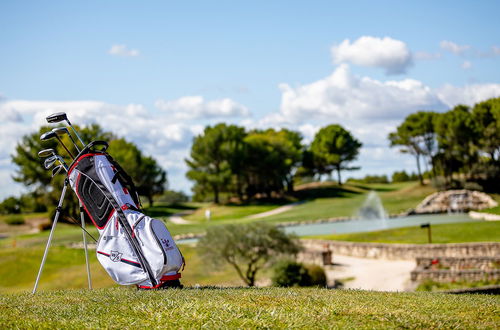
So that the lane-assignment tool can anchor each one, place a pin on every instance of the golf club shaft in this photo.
(56, 217)
(74, 143)
(82, 217)
(67, 150)
(76, 133)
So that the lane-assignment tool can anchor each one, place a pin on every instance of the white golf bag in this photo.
(132, 247)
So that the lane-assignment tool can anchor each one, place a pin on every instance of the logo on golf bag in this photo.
(115, 256)
(166, 244)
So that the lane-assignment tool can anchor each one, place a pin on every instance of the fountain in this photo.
(372, 209)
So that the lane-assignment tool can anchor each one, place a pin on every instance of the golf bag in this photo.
(133, 247)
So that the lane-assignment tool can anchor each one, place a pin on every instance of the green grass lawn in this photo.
(247, 308)
(481, 231)
(65, 267)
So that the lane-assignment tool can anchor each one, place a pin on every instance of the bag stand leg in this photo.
(56, 217)
(89, 279)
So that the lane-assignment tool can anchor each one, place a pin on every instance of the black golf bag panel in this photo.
(132, 247)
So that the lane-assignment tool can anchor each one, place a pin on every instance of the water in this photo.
(372, 208)
(358, 226)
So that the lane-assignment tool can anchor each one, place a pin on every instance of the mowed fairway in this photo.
(247, 308)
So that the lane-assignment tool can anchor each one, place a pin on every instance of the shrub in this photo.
(14, 219)
(290, 273)
(317, 275)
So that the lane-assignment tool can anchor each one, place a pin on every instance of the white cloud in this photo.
(122, 50)
(344, 95)
(466, 65)
(495, 50)
(387, 53)
(468, 95)
(453, 47)
(195, 107)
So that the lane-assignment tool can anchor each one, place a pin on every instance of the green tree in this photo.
(332, 149)
(248, 248)
(30, 170)
(487, 118)
(149, 177)
(216, 157)
(416, 136)
(271, 158)
(456, 133)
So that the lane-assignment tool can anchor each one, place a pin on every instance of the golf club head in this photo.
(49, 162)
(56, 170)
(60, 130)
(47, 136)
(56, 117)
(46, 153)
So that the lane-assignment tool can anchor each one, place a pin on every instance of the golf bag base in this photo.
(166, 282)
(133, 248)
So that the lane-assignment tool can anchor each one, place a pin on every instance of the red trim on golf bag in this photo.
(75, 162)
(164, 279)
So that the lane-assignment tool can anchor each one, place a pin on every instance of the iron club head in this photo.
(49, 162)
(56, 117)
(46, 153)
(56, 170)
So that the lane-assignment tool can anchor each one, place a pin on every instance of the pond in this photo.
(357, 226)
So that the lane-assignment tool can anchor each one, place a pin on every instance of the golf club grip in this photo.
(93, 144)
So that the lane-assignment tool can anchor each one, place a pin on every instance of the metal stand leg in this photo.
(56, 217)
(89, 279)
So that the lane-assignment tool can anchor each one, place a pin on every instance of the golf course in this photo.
(213, 297)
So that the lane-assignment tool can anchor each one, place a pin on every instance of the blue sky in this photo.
(180, 66)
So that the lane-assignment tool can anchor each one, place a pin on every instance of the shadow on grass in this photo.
(375, 188)
(166, 210)
(325, 192)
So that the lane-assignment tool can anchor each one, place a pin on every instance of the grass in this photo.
(443, 233)
(228, 212)
(247, 308)
(20, 258)
(430, 285)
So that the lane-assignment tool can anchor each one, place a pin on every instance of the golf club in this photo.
(49, 162)
(46, 153)
(51, 152)
(60, 116)
(63, 130)
(49, 135)
(56, 170)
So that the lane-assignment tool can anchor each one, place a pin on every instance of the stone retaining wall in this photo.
(403, 251)
(481, 263)
(471, 275)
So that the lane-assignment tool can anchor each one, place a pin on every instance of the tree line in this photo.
(461, 146)
(231, 161)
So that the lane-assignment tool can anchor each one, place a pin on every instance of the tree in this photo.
(487, 118)
(215, 156)
(417, 137)
(456, 132)
(248, 248)
(149, 177)
(333, 148)
(271, 157)
(30, 171)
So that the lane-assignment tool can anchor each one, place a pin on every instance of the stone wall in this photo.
(461, 263)
(402, 251)
(469, 275)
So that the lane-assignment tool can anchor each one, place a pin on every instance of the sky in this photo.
(158, 72)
